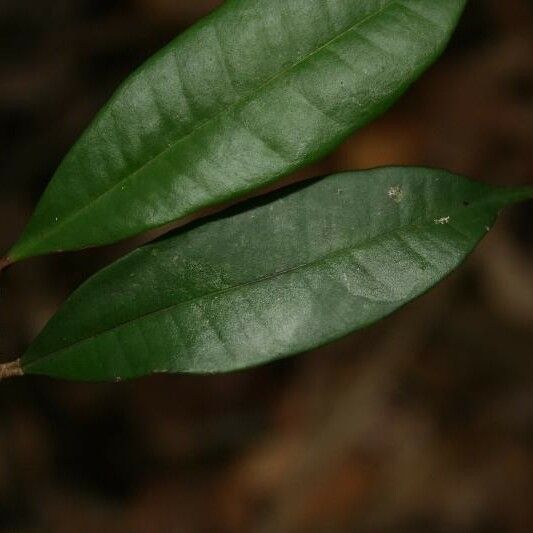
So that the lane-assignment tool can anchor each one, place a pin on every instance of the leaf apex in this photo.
(517, 195)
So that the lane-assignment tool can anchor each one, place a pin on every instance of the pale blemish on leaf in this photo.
(396, 193)
(442, 221)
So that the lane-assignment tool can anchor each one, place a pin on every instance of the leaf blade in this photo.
(273, 280)
(220, 111)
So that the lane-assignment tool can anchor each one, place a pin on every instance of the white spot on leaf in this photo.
(442, 221)
(396, 193)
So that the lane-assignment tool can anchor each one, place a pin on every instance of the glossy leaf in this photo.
(273, 280)
(249, 94)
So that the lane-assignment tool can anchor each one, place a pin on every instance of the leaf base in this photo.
(11, 370)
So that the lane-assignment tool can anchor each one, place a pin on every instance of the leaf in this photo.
(246, 96)
(273, 280)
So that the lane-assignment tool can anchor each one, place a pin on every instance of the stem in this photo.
(4, 263)
(10, 370)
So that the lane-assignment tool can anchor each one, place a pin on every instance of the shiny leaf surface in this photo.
(247, 95)
(270, 280)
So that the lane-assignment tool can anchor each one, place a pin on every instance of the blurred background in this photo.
(423, 423)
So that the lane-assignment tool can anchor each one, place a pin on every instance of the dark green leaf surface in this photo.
(276, 279)
(250, 93)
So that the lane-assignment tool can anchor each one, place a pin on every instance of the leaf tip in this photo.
(11, 370)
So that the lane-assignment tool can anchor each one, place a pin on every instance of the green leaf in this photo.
(270, 280)
(246, 96)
